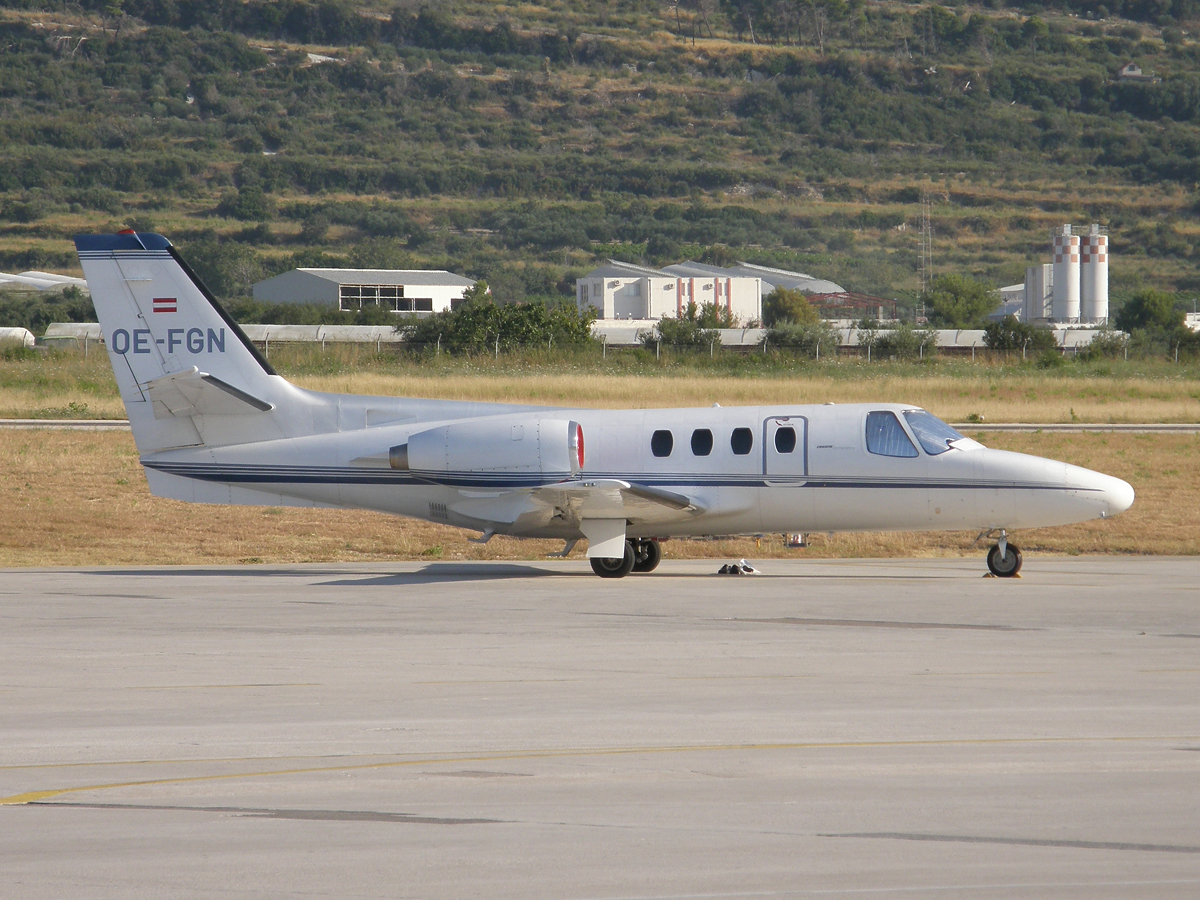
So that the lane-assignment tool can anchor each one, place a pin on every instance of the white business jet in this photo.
(214, 423)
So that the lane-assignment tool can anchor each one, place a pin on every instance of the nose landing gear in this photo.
(1004, 559)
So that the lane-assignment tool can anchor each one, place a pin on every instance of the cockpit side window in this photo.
(886, 436)
(934, 434)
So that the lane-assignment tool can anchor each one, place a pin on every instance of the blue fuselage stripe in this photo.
(255, 474)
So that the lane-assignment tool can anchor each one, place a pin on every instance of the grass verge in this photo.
(66, 385)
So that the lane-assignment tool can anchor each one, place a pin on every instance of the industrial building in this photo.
(400, 290)
(1073, 287)
(620, 290)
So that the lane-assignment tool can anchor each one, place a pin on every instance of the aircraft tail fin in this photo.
(187, 373)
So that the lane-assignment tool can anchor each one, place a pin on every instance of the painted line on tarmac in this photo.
(1019, 842)
(39, 795)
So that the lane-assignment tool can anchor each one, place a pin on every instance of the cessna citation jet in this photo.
(214, 423)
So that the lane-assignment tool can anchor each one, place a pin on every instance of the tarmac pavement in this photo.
(526, 730)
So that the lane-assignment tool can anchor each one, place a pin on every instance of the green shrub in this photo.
(480, 326)
(1010, 334)
(812, 339)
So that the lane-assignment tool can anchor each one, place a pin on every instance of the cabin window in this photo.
(741, 441)
(934, 434)
(886, 436)
(785, 439)
(661, 443)
(702, 442)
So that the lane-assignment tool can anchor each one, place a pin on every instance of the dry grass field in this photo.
(68, 386)
(79, 499)
(995, 396)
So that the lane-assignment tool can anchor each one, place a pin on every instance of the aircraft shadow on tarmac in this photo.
(444, 573)
(435, 572)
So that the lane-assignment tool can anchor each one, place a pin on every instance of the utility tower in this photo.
(925, 252)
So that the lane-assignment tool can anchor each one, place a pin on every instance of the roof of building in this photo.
(770, 277)
(390, 276)
(786, 278)
(690, 268)
(614, 268)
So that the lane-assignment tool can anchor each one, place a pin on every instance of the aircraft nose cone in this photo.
(1106, 495)
(1118, 495)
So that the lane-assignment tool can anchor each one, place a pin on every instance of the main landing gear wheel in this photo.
(646, 555)
(1005, 566)
(614, 568)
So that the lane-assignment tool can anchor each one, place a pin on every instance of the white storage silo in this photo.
(1093, 275)
(1066, 275)
(1039, 286)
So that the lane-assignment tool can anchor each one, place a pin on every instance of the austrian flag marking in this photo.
(165, 304)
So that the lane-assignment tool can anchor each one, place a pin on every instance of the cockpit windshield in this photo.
(934, 434)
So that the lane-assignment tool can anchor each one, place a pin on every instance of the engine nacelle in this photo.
(542, 446)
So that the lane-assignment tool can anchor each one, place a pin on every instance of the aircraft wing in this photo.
(191, 392)
(574, 501)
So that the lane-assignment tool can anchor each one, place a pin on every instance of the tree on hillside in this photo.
(1149, 308)
(959, 302)
(786, 305)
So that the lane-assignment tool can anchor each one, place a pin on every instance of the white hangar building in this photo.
(621, 290)
(400, 290)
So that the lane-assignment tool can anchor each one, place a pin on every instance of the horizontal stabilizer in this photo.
(195, 393)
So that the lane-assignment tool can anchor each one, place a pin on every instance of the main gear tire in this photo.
(614, 568)
(647, 556)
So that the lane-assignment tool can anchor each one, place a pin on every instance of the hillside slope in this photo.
(522, 143)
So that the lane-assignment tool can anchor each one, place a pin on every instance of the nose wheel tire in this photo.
(614, 568)
(647, 556)
(1004, 566)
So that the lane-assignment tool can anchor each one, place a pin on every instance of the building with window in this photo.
(400, 290)
(622, 290)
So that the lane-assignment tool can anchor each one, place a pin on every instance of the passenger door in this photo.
(785, 450)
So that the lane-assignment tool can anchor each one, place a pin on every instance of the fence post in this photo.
(818, 349)
(439, 345)
(712, 344)
(658, 350)
(497, 346)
